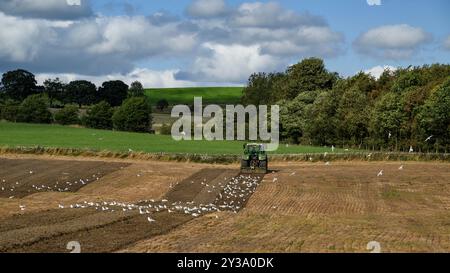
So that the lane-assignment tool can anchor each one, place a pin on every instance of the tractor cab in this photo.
(254, 159)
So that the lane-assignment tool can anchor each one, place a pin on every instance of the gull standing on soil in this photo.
(150, 220)
(380, 173)
(400, 168)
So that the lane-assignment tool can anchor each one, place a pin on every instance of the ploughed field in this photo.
(150, 206)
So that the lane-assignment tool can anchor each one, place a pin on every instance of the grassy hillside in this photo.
(29, 135)
(216, 95)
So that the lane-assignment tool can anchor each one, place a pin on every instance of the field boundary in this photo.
(228, 158)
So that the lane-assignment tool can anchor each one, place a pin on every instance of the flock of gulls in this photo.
(232, 195)
(66, 186)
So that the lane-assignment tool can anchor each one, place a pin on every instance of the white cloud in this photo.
(101, 45)
(229, 63)
(48, 9)
(207, 8)
(271, 15)
(392, 41)
(447, 43)
(376, 71)
(136, 36)
(309, 40)
(374, 2)
(21, 39)
(73, 2)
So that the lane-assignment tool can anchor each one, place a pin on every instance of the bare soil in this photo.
(300, 207)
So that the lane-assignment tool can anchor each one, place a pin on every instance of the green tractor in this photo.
(254, 159)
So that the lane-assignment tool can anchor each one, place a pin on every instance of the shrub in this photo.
(99, 116)
(34, 109)
(9, 110)
(166, 129)
(68, 115)
(161, 104)
(134, 115)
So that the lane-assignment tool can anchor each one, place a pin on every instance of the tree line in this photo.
(114, 105)
(403, 110)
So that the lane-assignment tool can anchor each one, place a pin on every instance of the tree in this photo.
(136, 90)
(408, 78)
(80, 92)
(68, 115)
(321, 122)
(113, 92)
(353, 116)
(9, 110)
(292, 121)
(260, 89)
(134, 115)
(34, 109)
(308, 75)
(162, 104)
(434, 117)
(387, 118)
(99, 116)
(54, 89)
(19, 84)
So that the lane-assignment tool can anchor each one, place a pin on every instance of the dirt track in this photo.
(303, 207)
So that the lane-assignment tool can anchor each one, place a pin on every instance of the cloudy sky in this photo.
(168, 43)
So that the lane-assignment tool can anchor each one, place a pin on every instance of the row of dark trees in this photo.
(402, 109)
(19, 84)
(134, 115)
(113, 105)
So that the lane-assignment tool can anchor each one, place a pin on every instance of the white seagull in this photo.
(380, 173)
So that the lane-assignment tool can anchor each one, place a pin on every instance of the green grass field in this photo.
(216, 95)
(56, 136)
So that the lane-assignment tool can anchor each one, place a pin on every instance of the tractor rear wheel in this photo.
(245, 164)
(263, 164)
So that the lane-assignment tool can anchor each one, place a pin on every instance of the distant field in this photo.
(216, 95)
(29, 135)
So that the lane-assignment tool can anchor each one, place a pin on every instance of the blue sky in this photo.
(217, 42)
